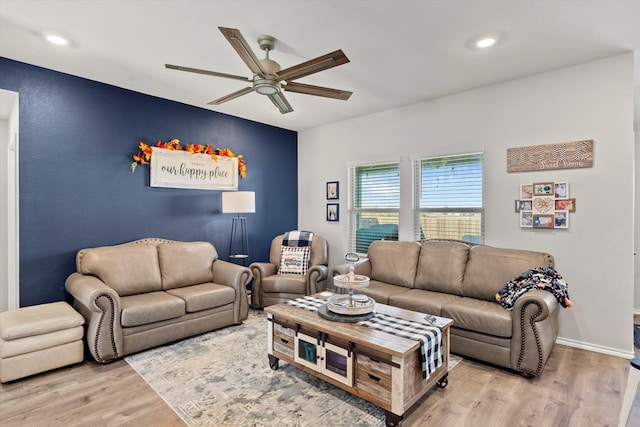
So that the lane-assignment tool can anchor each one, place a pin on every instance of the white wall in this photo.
(636, 127)
(9, 293)
(590, 101)
(4, 286)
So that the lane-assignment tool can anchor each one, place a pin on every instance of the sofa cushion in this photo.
(127, 269)
(186, 263)
(284, 283)
(489, 268)
(479, 316)
(441, 266)
(394, 262)
(37, 320)
(422, 301)
(204, 296)
(380, 291)
(150, 307)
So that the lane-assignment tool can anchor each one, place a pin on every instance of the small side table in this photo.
(240, 258)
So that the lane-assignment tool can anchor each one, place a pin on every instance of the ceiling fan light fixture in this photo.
(266, 86)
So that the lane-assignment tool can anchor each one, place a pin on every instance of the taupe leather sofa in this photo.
(270, 288)
(149, 292)
(459, 280)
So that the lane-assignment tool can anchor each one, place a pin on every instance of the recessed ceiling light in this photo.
(486, 42)
(56, 39)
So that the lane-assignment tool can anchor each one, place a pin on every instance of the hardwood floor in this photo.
(577, 388)
(87, 394)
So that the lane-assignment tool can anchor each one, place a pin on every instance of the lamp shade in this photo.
(239, 202)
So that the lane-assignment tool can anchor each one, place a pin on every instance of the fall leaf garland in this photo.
(143, 156)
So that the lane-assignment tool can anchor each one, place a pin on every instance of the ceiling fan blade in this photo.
(206, 72)
(242, 47)
(320, 63)
(281, 102)
(317, 90)
(231, 96)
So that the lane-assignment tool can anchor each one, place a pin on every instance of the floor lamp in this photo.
(239, 202)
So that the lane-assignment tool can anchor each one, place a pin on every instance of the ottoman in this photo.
(39, 338)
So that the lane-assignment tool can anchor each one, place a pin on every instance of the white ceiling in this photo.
(401, 51)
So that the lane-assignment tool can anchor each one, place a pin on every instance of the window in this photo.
(374, 204)
(448, 198)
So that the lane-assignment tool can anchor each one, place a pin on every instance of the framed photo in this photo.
(526, 191)
(333, 212)
(543, 221)
(561, 219)
(333, 190)
(524, 205)
(568, 205)
(543, 189)
(561, 190)
(526, 219)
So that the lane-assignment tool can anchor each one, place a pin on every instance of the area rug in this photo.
(223, 378)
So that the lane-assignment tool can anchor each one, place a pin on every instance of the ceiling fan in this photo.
(268, 79)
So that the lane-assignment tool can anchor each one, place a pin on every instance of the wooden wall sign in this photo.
(180, 169)
(564, 155)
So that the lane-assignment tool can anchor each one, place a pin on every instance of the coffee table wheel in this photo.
(444, 381)
(273, 362)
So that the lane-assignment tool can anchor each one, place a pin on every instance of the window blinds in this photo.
(448, 195)
(374, 204)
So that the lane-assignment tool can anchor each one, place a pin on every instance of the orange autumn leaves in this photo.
(143, 156)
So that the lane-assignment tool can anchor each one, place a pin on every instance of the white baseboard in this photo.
(597, 348)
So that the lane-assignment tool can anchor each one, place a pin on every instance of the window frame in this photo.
(417, 160)
(354, 212)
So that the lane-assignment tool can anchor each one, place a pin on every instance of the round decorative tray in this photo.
(324, 312)
(351, 304)
(351, 281)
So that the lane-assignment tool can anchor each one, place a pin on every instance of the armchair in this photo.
(271, 287)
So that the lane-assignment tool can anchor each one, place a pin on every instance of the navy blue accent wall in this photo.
(77, 137)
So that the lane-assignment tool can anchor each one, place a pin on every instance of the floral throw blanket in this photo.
(537, 278)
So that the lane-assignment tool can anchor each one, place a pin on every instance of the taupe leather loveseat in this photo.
(149, 292)
(459, 280)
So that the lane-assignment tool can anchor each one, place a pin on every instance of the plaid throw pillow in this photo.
(294, 260)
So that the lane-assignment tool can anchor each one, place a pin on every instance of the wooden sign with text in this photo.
(180, 169)
(564, 155)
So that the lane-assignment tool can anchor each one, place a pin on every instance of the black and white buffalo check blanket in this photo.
(429, 336)
(297, 238)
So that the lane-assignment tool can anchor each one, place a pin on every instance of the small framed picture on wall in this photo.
(566, 205)
(526, 191)
(526, 219)
(543, 189)
(524, 205)
(561, 219)
(333, 212)
(543, 221)
(561, 190)
(333, 190)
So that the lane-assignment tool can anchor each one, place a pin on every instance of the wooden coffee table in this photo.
(379, 367)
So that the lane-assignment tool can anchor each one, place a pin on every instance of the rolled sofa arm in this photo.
(260, 270)
(100, 306)
(535, 329)
(317, 279)
(236, 276)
